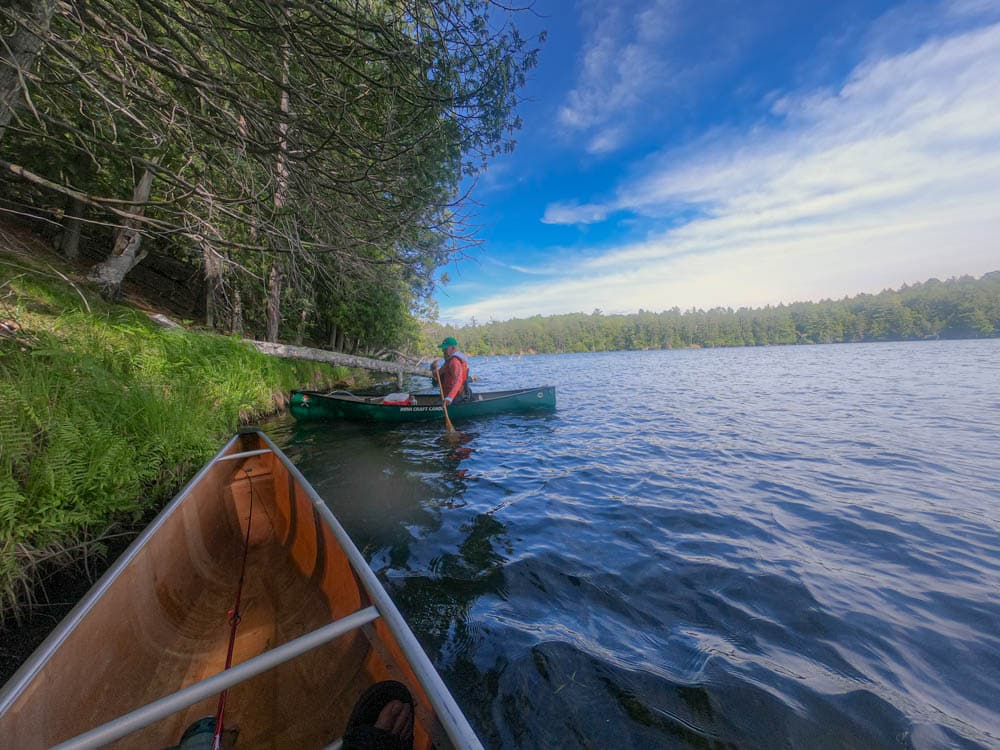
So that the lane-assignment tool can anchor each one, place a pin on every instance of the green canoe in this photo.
(313, 405)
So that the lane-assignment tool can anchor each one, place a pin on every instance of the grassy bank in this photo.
(103, 415)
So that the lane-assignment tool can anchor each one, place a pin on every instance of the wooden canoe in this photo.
(314, 405)
(142, 656)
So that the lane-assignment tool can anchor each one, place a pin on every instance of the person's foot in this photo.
(396, 719)
(382, 719)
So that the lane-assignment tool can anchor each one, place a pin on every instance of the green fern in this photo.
(109, 415)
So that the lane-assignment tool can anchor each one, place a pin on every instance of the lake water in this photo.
(751, 548)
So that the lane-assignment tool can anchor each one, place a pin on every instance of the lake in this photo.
(748, 548)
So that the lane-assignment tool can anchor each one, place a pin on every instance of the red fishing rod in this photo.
(234, 623)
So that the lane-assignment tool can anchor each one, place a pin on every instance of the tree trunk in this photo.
(18, 49)
(237, 320)
(300, 334)
(338, 358)
(274, 304)
(69, 241)
(281, 188)
(126, 254)
(213, 283)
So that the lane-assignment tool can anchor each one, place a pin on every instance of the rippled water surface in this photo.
(753, 548)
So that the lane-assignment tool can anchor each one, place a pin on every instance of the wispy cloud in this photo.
(533, 270)
(539, 269)
(574, 213)
(622, 65)
(893, 176)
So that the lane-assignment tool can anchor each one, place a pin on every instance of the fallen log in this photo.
(338, 358)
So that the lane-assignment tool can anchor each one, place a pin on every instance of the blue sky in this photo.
(698, 153)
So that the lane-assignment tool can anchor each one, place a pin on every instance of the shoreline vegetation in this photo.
(957, 308)
(104, 415)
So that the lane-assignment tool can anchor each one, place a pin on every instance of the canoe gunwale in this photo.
(478, 398)
(307, 405)
(448, 714)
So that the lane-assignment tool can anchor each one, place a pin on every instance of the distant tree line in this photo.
(957, 308)
(304, 158)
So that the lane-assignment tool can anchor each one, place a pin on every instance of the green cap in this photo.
(450, 341)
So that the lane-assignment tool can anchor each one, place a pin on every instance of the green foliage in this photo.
(958, 308)
(326, 142)
(104, 414)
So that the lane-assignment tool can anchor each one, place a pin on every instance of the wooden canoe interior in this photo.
(163, 624)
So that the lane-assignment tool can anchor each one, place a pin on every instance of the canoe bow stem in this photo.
(234, 623)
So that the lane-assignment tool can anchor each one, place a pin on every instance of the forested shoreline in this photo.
(963, 307)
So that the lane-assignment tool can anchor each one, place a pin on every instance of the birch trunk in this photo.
(338, 358)
(127, 252)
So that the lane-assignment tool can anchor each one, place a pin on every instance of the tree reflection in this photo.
(404, 496)
(437, 603)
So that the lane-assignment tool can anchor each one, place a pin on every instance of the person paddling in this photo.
(454, 371)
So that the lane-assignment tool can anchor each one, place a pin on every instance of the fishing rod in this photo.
(234, 623)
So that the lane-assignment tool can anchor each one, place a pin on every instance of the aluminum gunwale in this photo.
(12, 690)
(449, 714)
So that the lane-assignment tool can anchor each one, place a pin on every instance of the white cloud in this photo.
(984, 10)
(608, 140)
(894, 177)
(622, 63)
(532, 271)
(574, 213)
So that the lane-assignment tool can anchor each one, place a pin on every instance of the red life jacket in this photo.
(455, 375)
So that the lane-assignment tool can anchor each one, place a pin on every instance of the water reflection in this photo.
(439, 598)
(458, 448)
(390, 487)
